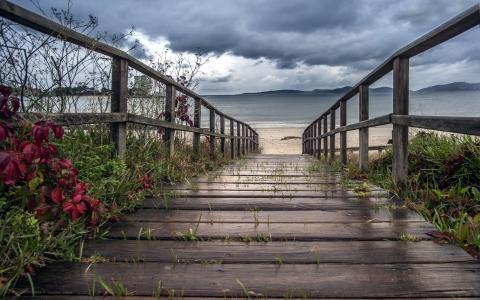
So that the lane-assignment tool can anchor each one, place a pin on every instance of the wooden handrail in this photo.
(401, 120)
(120, 63)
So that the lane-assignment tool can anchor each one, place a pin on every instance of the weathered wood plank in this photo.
(353, 252)
(266, 231)
(254, 216)
(118, 104)
(169, 136)
(269, 194)
(321, 281)
(400, 107)
(247, 186)
(463, 125)
(363, 112)
(270, 203)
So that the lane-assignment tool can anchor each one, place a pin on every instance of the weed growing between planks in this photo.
(443, 184)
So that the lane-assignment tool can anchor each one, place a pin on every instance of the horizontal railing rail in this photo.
(244, 141)
(323, 129)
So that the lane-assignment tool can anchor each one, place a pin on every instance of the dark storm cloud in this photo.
(358, 34)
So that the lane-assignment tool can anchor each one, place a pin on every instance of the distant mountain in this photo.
(341, 90)
(450, 87)
(454, 86)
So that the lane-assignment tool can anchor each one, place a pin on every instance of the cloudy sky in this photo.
(259, 45)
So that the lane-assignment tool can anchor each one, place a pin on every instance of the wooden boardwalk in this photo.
(268, 227)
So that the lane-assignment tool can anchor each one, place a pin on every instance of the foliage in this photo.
(44, 206)
(443, 184)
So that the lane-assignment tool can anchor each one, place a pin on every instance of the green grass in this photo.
(28, 243)
(443, 183)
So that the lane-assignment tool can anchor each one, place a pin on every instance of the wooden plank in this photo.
(400, 132)
(118, 104)
(73, 119)
(232, 141)
(378, 121)
(343, 135)
(316, 281)
(352, 252)
(169, 136)
(332, 137)
(80, 297)
(254, 216)
(257, 186)
(462, 125)
(197, 121)
(363, 132)
(239, 142)
(269, 194)
(263, 180)
(222, 139)
(266, 231)
(319, 141)
(212, 129)
(325, 139)
(269, 203)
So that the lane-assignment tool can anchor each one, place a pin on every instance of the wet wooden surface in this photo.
(302, 233)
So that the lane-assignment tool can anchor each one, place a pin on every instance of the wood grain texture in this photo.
(270, 231)
(317, 281)
(352, 252)
(254, 216)
(318, 241)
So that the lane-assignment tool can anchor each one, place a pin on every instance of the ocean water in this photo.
(267, 111)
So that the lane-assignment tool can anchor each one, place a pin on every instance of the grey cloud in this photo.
(349, 33)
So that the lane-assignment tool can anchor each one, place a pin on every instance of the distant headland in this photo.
(449, 87)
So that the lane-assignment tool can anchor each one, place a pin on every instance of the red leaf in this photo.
(57, 195)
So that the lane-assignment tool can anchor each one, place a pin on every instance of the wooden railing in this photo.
(323, 130)
(244, 141)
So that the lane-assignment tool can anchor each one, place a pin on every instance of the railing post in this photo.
(249, 142)
(307, 143)
(222, 131)
(332, 137)
(312, 145)
(363, 132)
(303, 142)
(212, 130)
(343, 134)
(239, 140)
(169, 136)
(319, 140)
(400, 107)
(232, 141)
(325, 139)
(118, 104)
(243, 139)
(197, 118)
(315, 148)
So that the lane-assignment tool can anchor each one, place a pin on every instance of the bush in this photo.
(443, 184)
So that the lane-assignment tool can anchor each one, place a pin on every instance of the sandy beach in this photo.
(288, 140)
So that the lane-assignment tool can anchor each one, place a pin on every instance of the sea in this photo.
(298, 110)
